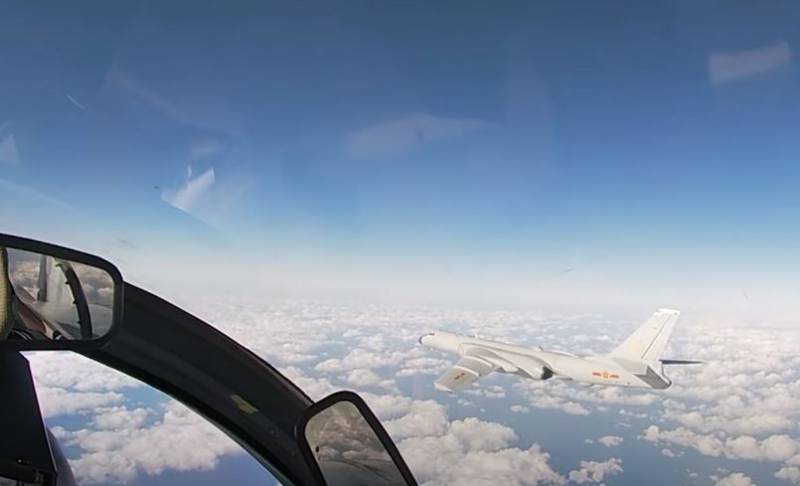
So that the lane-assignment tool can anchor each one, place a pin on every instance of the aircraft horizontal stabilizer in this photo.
(680, 361)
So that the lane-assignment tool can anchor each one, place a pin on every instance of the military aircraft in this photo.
(637, 362)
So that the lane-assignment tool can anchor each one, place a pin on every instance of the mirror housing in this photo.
(343, 443)
(55, 298)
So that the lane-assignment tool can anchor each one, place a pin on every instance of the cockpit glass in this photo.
(366, 194)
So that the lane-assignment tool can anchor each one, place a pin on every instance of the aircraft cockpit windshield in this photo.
(546, 242)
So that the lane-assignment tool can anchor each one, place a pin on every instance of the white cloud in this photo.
(316, 388)
(773, 448)
(614, 395)
(363, 377)
(360, 358)
(123, 447)
(744, 409)
(59, 401)
(494, 391)
(628, 413)
(424, 366)
(68, 383)
(116, 442)
(760, 410)
(476, 434)
(735, 479)
(789, 473)
(366, 377)
(73, 371)
(705, 400)
(706, 445)
(450, 463)
(734, 409)
(440, 451)
(595, 472)
(120, 418)
(422, 419)
(557, 403)
(610, 440)
(571, 397)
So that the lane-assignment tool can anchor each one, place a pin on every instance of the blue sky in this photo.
(526, 153)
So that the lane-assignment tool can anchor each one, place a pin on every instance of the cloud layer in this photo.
(731, 409)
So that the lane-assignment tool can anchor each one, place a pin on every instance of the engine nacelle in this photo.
(540, 373)
(534, 369)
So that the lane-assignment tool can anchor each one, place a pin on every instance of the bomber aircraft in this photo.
(637, 362)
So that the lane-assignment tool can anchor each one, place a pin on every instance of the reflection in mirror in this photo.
(47, 298)
(348, 450)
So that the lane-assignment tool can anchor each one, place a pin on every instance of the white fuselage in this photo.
(542, 364)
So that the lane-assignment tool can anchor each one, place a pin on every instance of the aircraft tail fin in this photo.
(649, 341)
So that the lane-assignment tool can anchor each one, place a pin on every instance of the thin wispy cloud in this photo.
(8, 150)
(76, 103)
(149, 96)
(727, 67)
(29, 194)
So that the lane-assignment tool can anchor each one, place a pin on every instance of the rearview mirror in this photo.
(344, 444)
(56, 298)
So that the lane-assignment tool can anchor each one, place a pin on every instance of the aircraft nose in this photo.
(422, 338)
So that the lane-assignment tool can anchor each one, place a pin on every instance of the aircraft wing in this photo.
(464, 372)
